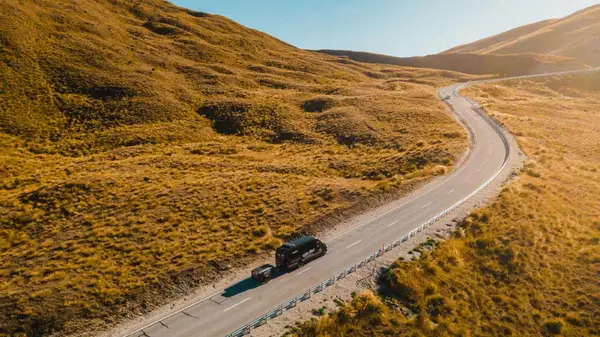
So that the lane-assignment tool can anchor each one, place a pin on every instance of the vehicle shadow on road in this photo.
(249, 284)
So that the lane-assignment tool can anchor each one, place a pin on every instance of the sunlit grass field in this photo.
(147, 149)
(528, 264)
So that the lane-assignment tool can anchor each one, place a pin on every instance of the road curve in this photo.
(231, 309)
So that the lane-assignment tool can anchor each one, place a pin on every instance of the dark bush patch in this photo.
(110, 92)
(228, 117)
(198, 14)
(554, 326)
(162, 28)
(437, 306)
(319, 104)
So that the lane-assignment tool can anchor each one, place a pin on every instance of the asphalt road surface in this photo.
(246, 301)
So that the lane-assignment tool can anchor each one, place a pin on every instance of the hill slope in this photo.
(146, 149)
(576, 36)
(510, 35)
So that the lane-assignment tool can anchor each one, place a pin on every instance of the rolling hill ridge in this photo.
(576, 36)
(569, 43)
(470, 63)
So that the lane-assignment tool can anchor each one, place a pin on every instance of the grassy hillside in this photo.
(471, 63)
(527, 265)
(576, 36)
(146, 149)
(510, 35)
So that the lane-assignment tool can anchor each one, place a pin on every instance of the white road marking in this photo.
(393, 223)
(450, 192)
(354, 244)
(426, 205)
(302, 272)
(235, 305)
(479, 169)
(467, 180)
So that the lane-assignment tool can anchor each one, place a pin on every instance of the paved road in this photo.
(244, 302)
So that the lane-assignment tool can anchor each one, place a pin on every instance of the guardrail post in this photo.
(260, 321)
(304, 297)
(279, 311)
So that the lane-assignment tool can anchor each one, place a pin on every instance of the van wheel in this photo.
(300, 264)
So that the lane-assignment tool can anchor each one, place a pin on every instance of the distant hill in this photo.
(576, 36)
(512, 34)
(470, 63)
(569, 43)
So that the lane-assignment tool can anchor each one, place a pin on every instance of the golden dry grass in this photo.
(528, 264)
(146, 149)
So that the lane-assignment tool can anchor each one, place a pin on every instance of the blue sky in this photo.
(393, 27)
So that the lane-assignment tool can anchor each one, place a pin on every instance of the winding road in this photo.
(238, 305)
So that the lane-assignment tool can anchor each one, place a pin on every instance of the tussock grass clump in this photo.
(348, 126)
(265, 121)
(528, 264)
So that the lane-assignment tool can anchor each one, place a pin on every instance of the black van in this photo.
(296, 253)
